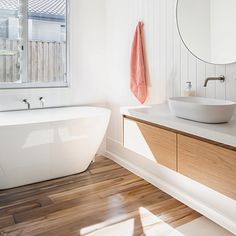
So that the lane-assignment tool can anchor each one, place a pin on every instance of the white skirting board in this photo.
(211, 204)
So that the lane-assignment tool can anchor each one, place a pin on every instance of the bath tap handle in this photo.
(25, 101)
(41, 99)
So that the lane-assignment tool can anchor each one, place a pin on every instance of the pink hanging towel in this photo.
(138, 81)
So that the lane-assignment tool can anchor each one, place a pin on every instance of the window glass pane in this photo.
(47, 41)
(10, 41)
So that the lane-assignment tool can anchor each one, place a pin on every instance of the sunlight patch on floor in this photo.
(153, 225)
(203, 227)
(125, 228)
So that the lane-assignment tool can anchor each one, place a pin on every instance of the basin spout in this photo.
(220, 78)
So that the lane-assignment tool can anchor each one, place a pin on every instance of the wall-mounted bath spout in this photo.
(220, 78)
(42, 101)
(25, 101)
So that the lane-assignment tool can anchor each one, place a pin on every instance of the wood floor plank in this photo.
(6, 221)
(13, 209)
(55, 188)
(95, 187)
(105, 199)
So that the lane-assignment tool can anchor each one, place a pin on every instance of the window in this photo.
(33, 43)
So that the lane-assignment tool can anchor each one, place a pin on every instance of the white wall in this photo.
(87, 67)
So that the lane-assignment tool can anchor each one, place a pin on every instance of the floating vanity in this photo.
(205, 153)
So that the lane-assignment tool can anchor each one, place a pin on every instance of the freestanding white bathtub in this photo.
(39, 145)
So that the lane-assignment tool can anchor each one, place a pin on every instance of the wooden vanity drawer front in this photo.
(161, 144)
(208, 164)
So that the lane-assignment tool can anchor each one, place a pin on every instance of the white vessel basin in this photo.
(204, 110)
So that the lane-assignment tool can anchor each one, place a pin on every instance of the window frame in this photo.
(24, 84)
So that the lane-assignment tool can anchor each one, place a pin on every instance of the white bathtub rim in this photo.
(37, 116)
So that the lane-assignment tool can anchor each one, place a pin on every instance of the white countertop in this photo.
(160, 115)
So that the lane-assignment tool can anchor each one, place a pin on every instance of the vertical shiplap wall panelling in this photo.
(201, 76)
(162, 47)
(156, 77)
(184, 68)
(231, 82)
(192, 71)
(211, 87)
(170, 72)
(220, 87)
(152, 43)
(177, 55)
(146, 16)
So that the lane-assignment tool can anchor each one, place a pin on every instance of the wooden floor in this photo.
(105, 200)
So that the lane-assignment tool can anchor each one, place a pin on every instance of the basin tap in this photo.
(25, 101)
(42, 101)
(220, 78)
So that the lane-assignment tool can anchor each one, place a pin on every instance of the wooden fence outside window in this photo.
(46, 62)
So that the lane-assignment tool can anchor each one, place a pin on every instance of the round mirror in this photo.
(208, 29)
